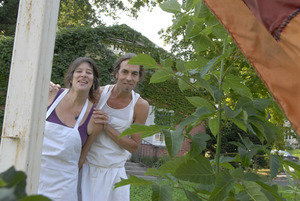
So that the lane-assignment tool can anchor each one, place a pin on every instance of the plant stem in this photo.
(219, 137)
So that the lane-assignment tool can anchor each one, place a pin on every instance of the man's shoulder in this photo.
(142, 103)
(101, 88)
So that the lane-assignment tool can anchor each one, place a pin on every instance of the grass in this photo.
(295, 152)
(144, 193)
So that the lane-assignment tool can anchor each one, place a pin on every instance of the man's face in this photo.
(128, 76)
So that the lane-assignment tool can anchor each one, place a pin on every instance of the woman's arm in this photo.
(93, 131)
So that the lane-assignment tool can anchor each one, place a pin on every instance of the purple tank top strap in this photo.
(82, 128)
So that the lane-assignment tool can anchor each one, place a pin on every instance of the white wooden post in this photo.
(28, 88)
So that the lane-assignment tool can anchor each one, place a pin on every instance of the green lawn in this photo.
(144, 193)
(295, 152)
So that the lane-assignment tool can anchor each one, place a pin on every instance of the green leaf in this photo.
(154, 172)
(144, 130)
(191, 65)
(201, 41)
(261, 104)
(192, 196)
(189, 4)
(171, 6)
(196, 170)
(213, 126)
(7, 194)
(224, 183)
(171, 165)
(271, 190)
(239, 123)
(245, 117)
(183, 83)
(254, 191)
(238, 144)
(198, 102)
(201, 10)
(174, 140)
(201, 113)
(237, 173)
(292, 164)
(180, 21)
(167, 63)
(180, 66)
(205, 189)
(250, 176)
(198, 143)
(15, 180)
(227, 166)
(230, 113)
(270, 131)
(209, 65)
(2, 183)
(160, 76)
(246, 156)
(161, 193)
(243, 102)
(236, 83)
(193, 29)
(219, 32)
(145, 60)
(35, 198)
(204, 84)
(258, 125)
(212, 21)
(247, 142)
(137, 181)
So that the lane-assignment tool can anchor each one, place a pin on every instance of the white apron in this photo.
(104, 165)
(60, 155)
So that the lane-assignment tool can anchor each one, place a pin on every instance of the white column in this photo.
(28, 88)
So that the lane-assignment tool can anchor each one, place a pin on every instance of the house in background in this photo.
(290, 140)
(154, 147)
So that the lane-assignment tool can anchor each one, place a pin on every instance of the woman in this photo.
(68, 127)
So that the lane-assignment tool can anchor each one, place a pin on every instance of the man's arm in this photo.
(132, 144)
(53, 90)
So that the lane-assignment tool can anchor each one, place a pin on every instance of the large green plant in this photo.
(12, 187)
(210, 75)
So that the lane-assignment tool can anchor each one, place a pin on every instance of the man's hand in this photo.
(54, 87)
(100, 117)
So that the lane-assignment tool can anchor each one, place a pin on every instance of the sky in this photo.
(148, 23)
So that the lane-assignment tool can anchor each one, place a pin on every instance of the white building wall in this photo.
(155, 139)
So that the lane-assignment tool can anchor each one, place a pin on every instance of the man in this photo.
(104, 165)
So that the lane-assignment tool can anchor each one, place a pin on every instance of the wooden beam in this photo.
(27, 95)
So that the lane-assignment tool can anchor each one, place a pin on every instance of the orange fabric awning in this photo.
(276, 62)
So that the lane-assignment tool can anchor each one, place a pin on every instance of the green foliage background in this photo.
(100, 43)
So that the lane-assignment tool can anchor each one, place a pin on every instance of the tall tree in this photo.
(75, 13)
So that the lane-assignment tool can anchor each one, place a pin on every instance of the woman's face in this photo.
(83, 77)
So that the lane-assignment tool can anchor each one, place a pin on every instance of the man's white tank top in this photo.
(104, 151)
